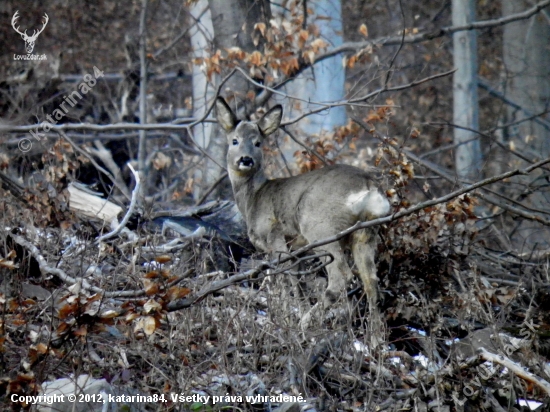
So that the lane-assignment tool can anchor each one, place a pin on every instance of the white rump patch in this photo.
(368, 204)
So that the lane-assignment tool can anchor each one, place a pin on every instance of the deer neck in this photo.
(245, 187)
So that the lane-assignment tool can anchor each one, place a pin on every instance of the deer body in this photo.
(292, 212)
(326, 200)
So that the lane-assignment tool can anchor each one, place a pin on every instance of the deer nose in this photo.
(246, 161)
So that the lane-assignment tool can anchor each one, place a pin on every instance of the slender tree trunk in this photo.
(527, 69)
(233, 23)
(526, 56)
(465, 100)
(202, 37)
(324, 82)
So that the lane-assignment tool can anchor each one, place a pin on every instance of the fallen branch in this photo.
(46, 269)
(61, 274)
(515, 368)
(92, 206)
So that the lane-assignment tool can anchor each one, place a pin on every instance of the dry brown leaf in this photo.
(151, 306)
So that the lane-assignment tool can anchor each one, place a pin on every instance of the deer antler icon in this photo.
(29, 40)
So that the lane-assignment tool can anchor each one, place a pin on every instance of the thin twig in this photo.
(133, 202)
(488, 198)
(310, 151)
(369, 96)
(211, 189)
(485, 85)
(392, 61)
(189, 127)
(123, 189)
(61, 274)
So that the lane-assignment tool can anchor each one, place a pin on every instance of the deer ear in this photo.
(271, 120)
(225, 116)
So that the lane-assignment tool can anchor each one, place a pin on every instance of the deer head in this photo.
(29, 40)
(244, 157)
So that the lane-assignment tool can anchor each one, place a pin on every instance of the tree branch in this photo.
(488, 198)
(519, 370)
(118, 182)
(367, 96)
(423, 205)
(98, 127)
(135, 194)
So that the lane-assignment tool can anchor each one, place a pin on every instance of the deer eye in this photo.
(257, 144)
(235, 142)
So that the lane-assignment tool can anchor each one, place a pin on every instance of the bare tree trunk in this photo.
(527, 65)
(202, 37)
(233, 22)
(465, 100)
(324, 82)
(526, 57)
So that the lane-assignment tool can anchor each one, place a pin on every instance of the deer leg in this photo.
(363, 244)
(363, 249)
(339, 273)
(278, 244)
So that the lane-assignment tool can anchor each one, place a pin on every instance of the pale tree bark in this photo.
(324, 82)
(465, 98)
(202, 38)
(233, 23)
(526, 53)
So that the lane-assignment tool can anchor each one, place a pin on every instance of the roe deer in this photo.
(298, 210)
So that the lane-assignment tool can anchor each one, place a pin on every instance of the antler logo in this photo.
(29, 40)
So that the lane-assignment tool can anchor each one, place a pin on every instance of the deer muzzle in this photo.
(245, 163)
